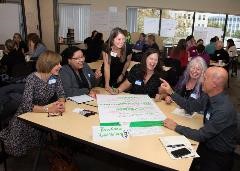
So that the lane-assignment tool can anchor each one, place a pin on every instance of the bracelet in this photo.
(45, 108)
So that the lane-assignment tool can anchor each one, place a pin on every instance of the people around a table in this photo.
(217, 136)
(116, 60)
(191, 46)
(220, 53)
(231, 48)
(20, 45)
(77, 77)
(211, 47)
(35, 45)
(94, 48)
(141, 41)
(202, 53)
(11, 58)
(43, 93)
(143, 78)
(150, 42)
(190, 84)
(180, 53)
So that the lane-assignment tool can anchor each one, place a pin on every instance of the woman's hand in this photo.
(98, 73)
(93, 93)
(168, 99)
(57, 107)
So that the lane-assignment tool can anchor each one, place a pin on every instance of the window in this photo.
(232, 31)
(179, 27)
(204, 16)
(76, 17)
(208, 28)
(199, 17)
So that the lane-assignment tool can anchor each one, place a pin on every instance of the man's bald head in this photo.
(215, 79)
(219, 76)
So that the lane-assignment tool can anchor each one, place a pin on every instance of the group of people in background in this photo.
(197, 85)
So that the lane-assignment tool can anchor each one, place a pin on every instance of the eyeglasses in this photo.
(78, 59)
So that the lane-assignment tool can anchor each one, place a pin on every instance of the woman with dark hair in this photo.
(88, 40)
(94, 49)
(189, 86)
(143, 78)
(116, 59)
(231, 48)
(232, 51)
(36, 47)
(77, 77)
(12, 57)
(180, 53)
(43, 93)
(20, 45)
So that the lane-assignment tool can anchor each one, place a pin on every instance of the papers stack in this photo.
(178, 147)
(81, 99)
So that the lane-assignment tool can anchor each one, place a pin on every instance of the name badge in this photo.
(89, 75)
(52, 81)
(137, 82)
(208, 116)
(113, 54)
(193, 51)
(218, 54)
(193, 95)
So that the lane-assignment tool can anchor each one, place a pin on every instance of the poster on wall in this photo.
(151, 25)
(168, 27)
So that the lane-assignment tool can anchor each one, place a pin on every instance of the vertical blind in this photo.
(132, 19)
(76, 17)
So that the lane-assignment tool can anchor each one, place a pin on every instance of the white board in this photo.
(168, 27)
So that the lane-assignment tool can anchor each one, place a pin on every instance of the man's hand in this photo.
(170, 124)
(166, 87)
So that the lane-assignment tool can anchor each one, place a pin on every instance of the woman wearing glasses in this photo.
(77, 77)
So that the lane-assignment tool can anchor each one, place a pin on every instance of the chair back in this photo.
(135, 37)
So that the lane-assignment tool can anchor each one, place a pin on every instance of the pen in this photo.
(175, 145)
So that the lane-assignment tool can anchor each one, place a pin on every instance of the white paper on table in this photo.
(181, 112)
(128, 108)
(110, 133)
(172, 143)
(81, 99)
(142, 131)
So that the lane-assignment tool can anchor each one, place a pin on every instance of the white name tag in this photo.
(137, 82)
(218, 54)
(113, 54)
(52, 81)
(208, 116)
(193, 95)
(89, 75)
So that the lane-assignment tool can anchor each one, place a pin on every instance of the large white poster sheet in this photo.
(127, 109)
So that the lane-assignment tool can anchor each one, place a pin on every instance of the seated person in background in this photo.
(143, 78)
(201, 52)
(191, 46)
(88, 40)
(210, 48)
(12, 57)
(20, 45)
(217, 136)
(189, 86)
(231, 48)
(199, 42)
(116, 59)
(94, 48)
(77, 77)
(35, 45)
(150, 43)
(42, 88)
(220, 53)
(139, 44)
(179, 53)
